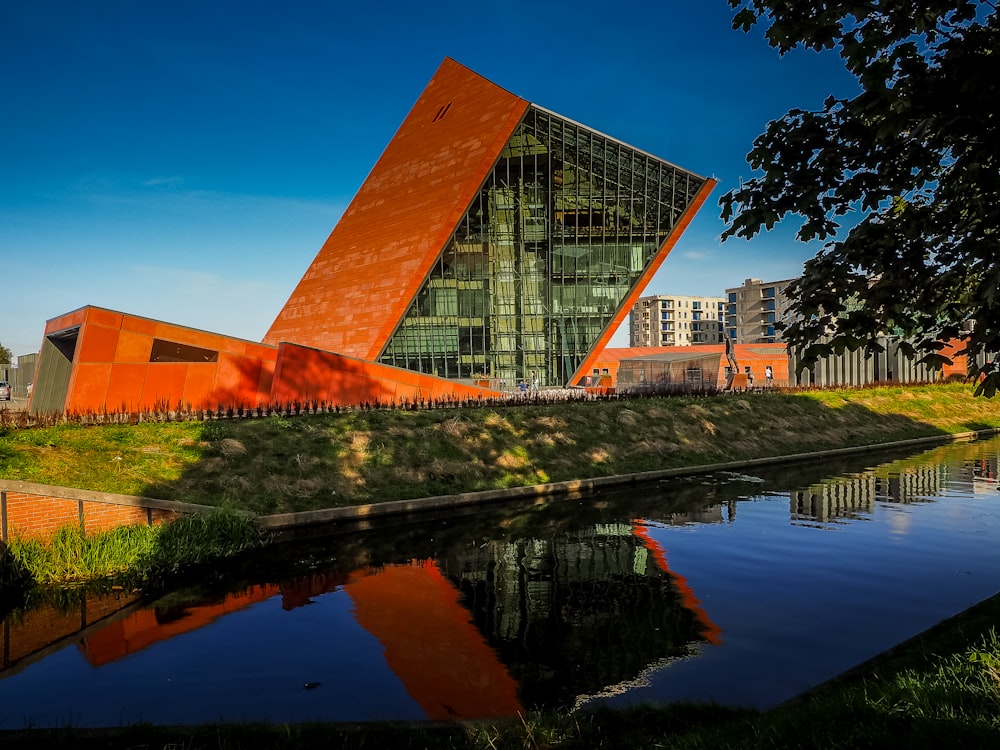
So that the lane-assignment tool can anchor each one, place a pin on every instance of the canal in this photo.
(742, 589)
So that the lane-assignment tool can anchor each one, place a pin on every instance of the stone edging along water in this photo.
(575, 487)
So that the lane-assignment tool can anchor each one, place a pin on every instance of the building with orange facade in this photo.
(493, 241)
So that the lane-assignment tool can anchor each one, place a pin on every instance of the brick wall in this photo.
(33, 632)
(29, 510)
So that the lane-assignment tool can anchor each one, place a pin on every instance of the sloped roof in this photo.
(361, 281)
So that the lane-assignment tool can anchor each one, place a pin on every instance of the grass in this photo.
(280, 463)
(142, 556)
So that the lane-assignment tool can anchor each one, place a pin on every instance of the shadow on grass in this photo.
(283, 464)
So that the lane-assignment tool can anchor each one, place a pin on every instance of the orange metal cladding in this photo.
(711, 631)
(432, 645)
(112, 368)
(959, 366)
(640, 285)
(304, 374)
(366, 274)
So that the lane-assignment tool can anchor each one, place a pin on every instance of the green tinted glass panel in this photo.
(559, 234)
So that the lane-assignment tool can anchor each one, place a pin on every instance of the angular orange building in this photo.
(493, 241)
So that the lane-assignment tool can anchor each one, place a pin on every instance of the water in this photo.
(739, 589)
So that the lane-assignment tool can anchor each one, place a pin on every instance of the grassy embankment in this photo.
(281, 464)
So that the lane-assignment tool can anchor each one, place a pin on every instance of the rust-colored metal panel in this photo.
(89, 388)
(102, 317)
(361, 281)
(133, 347)
(266, 378)
(97, 344)
(248, 392)
(303, 374)
(144, 326)
(69, 320)
(640, 285)
(228, 378)
(125, 386)
(199, 385)
(128, 379)
(164, 386)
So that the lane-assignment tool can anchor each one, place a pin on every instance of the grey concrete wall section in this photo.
(573, 488)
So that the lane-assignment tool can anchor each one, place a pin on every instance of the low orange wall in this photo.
(304, 374)
(112, 369)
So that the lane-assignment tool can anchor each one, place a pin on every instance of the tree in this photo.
(6, 355)
(915, 157)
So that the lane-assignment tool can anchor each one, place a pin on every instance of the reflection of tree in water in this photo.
(574, 614)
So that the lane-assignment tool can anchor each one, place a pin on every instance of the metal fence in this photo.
(19, 373)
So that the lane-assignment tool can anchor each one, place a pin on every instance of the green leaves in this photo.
(913, 155)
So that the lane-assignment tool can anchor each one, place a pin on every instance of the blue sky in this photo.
(185, 160)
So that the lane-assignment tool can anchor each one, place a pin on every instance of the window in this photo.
(169, 351)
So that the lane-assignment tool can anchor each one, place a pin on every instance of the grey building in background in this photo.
(754, 309)
(676, 320)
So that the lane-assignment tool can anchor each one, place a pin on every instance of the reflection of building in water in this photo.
(840, 498)
(574, 613)
(983, 471)
(28, 636)
(919, 484)
(492, 629)
(846, 497)
(145, 627)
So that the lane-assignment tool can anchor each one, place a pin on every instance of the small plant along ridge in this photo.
(135, 556)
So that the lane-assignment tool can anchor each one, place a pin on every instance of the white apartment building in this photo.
(752, 310)
(676, 320)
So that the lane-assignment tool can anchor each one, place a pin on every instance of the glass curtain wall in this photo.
(557, 237)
